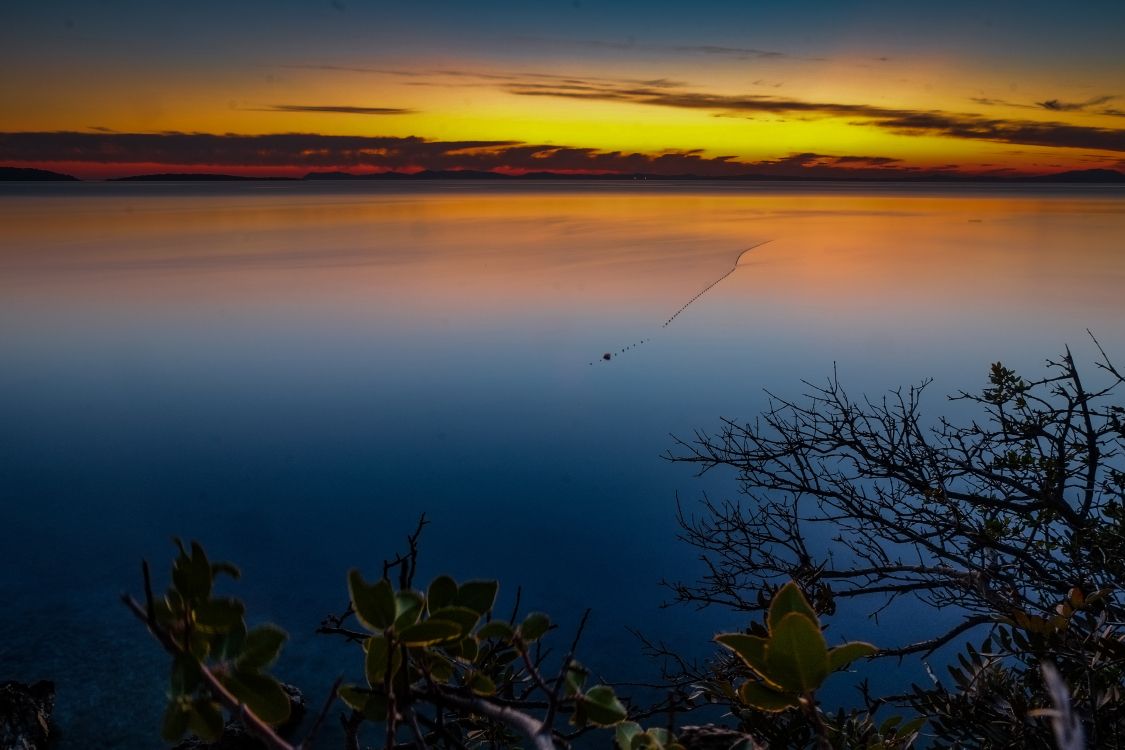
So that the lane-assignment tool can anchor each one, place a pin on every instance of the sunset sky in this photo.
(100, 88)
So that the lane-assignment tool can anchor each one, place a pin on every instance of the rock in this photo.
(712, 737)
(298, 706)
(235, 736)
(25, 714)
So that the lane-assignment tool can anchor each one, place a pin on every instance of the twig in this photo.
(237, 708)
(307, 743)
(553, 708)
(526, 725)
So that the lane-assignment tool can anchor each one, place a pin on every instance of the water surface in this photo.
(292, 373)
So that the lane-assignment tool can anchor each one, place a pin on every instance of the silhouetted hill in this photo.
(1076, 176)
(1086, 176)
(1082, 175)
(350, 176)
(472, 174)
(181, 177)
(37, 175)
(446, 174)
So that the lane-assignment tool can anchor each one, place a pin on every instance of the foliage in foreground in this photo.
(1016, 521)
(441, 669)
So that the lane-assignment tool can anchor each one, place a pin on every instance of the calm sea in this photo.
(292, 373)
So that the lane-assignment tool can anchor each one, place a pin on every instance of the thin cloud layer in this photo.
(1023, 132)
(899, 121)
(632, 45)
(1059, 106)
(310, 151)
(338, 109)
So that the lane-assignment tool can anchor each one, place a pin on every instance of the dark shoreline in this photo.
(1080, 177)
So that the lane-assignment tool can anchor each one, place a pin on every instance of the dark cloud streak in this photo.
(1060, 106)
(630, 45)
(310, 151)
(899, 121)
(338, 109)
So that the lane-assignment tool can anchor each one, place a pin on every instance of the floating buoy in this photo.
(738, 262)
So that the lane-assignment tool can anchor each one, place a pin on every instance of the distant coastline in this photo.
(20, 174)
(1084, 176)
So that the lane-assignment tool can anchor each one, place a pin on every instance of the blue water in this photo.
(293, 373)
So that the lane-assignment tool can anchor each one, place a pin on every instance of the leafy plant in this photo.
(216, 661)
(791, 660)
(1017, 520)
(1012, 519)
(438, 664)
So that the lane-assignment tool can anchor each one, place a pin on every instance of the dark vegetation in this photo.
(1013, 522)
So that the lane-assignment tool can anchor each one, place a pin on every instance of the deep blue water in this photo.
(292, 373)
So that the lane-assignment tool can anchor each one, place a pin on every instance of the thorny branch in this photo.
(862, 500)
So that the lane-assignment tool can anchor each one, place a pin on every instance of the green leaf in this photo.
(465, 618)
(478, 596)
(219, 615)
(443, 590)
(843, 655)
(377, 659)
(751, 649)
(199, 644)
(353, 696)
(797, 658)
(602, 707)
(496, 629)
(374, 604)
(373, 706)
(482, 684)
(261, 693)
(789, 599)
(191, 574)
(408, 608)
(225, 568)
(647, 741)
(261, 647)
(535, 626)
(227, 646)
(430, 633)
(186, 676)
(625, 733)
(889, 724)
(176, 718)
(758, 696)
(912, 726)
(206, 720)
(441, 670)
(575, 678)
(470, 649)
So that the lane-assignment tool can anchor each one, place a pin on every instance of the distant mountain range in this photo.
(33, 175)
(183, 177)
(1075, 176)
(1083, 176)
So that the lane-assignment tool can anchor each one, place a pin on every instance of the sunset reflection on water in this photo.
(292, 373)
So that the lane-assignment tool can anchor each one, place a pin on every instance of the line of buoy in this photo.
(608, 356)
